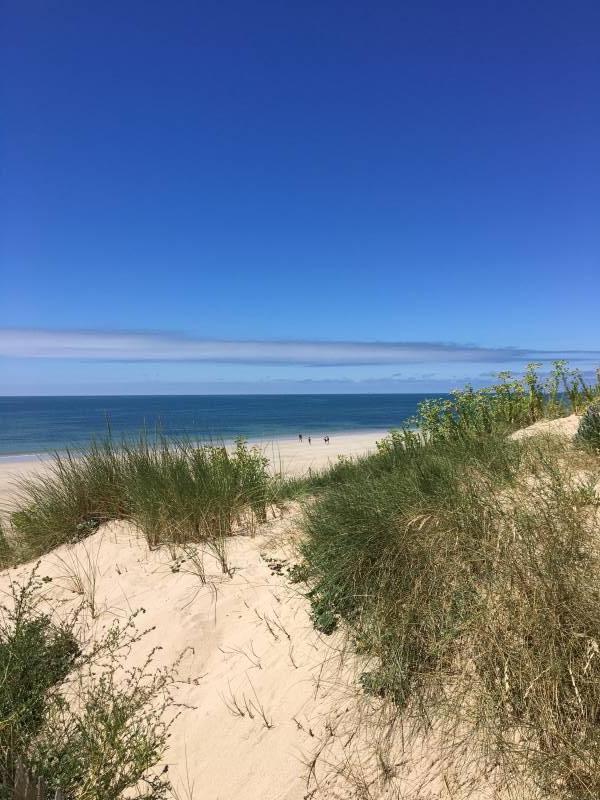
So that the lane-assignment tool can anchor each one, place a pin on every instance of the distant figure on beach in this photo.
(326, 440)
(300, 436)
(309, 441)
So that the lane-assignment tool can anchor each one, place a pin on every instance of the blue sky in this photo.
(327, 196)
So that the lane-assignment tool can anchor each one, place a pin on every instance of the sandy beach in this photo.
(287, 455)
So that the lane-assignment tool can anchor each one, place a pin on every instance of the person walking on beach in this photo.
(300, 436)
(309, 440)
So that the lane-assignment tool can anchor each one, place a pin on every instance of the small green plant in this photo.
(73, 713)
(298, 573)
(323, 615)
(588, 433)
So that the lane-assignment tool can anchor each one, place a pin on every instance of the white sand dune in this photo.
(306, 733)
(564, 426)
(247, 640)
(303, 730)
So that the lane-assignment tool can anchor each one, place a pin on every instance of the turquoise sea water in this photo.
(30, 425)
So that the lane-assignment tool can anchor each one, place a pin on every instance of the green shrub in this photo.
(588, 433)
(508, 405)
(75, 715)
(115, 739)
(35, 656)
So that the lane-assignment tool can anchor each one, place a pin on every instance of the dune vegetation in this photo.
(465, 566)
(173, 491)
(462, 563)
(73, 711)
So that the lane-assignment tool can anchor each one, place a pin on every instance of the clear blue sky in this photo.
(178, 178)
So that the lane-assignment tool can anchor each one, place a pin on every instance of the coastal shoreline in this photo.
(254, 441)
(287, 455)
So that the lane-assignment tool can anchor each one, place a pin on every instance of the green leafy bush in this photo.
(75, 715)
(36, 655)
(115, 739)
(588, 433)
(508, 405)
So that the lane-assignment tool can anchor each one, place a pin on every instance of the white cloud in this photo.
(113, 346)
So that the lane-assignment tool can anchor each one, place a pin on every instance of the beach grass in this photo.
(173, 491)
(465, 568)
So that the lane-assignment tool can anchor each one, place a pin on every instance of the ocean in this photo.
(33, 425)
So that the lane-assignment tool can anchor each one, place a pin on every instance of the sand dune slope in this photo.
(248, 642)
(563, 426)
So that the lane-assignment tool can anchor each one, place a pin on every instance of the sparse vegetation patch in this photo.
(72, 712)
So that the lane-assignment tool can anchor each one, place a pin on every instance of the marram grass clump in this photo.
(6, 550)
(173, 491)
